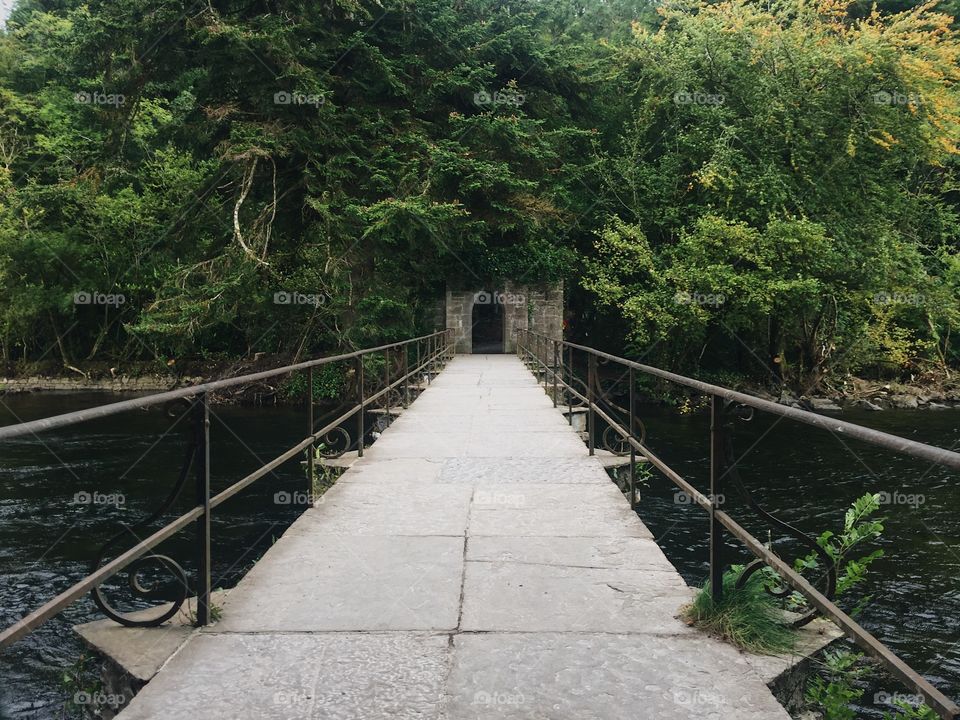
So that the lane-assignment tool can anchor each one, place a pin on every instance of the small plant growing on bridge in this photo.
(833, 690)
(839, 685)
(752, 619)
(216, 612)
(621, 476)
(906, 711)
(324, 476)
(81, 682)
(859, 527)
(749, 617)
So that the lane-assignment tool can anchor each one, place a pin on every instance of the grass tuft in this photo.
(748, 617)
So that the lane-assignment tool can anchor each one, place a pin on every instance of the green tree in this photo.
(800, 164)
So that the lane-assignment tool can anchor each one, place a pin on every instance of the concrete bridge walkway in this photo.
(476, 563)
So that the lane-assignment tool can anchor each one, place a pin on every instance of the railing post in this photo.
(202, 429)
(429, 360)
(542, 358)
(540, 374)
(386, 381)
(536, 356)
(592, 414)
(633, 450)
(406, 376)
(570, 385)
(311, 449)
(716, 492)
(556, 350)
(360, 423)
(419, 370)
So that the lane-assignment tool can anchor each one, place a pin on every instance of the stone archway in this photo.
(487, 322)
(539, 308)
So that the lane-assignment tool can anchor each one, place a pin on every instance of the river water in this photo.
(129, 463)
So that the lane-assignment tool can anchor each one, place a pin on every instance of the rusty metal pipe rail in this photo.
(895, 443)
(943, 705)
(438, 350)
(72, 418)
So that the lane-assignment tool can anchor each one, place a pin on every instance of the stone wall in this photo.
(459, 315)
(545, 309)
(121, 383)
(436, 315)
(539, 308)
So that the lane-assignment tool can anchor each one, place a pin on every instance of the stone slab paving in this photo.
(475, 563)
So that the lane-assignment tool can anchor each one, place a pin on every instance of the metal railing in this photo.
(403, 361)
(552, 360)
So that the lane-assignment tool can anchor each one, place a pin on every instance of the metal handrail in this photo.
(56, 421)
(436, 350)
(721, 398)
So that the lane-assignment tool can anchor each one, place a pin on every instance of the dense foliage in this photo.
(786, 182)
(350, 157)
(763, 188)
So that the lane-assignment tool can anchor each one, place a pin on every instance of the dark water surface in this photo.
(806, 476)
(47, 539)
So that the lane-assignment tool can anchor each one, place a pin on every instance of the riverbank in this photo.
(147, 378)
(122, 383)
(873, 396)
(857, 393)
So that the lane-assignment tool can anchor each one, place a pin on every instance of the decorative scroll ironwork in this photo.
(614, 442)
(330, 446)
(569, 398)
(612, 439)
(731, 411)
(179, 587)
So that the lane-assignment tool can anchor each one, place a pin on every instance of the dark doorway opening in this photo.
(487, 332)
